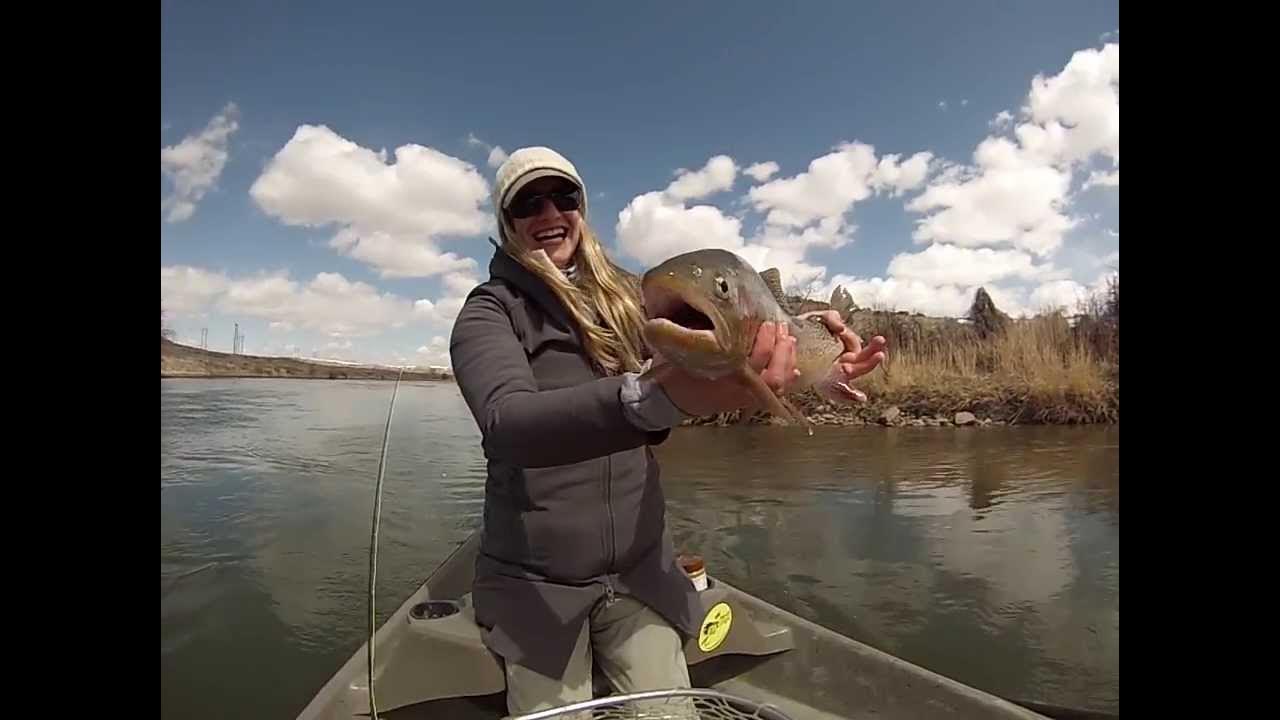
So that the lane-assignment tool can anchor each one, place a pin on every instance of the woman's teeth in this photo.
(547, 235)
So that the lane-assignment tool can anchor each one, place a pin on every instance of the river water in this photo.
(989, 555)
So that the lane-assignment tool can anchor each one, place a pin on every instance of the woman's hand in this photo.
(773, 357)
(856, 360)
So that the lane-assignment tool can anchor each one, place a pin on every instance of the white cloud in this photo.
(1102, 179)
(828, 188)
(387, 215)
(188, 290)
(1067, 295)
(907, 176)
(445, 309)
(1002, 121)
(329, 315)
(195, 164)
(497, 155)
(652, 228)
(1085, 99)
(942, 264)
(918, 296)
(396, 257)
(1000, 219)
(716, 176)
(995, 223)
(435, 352)
(942, 104)
(1013, 200)
(801, 212)
(762, 171)
(1018, 193)
(329, 303)
(1062, 295)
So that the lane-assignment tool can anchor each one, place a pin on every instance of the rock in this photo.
(917, 423)
(986, 422)
(966, 418)
(890, 416)
(985, 317)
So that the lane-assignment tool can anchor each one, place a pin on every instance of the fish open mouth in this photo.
(674, 321)
(687, 317)
(666, 304)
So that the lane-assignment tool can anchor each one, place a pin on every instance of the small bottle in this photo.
(696, 570)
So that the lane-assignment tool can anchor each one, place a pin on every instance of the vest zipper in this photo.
(608, 506)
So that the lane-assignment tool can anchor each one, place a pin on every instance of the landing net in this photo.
(688, 704)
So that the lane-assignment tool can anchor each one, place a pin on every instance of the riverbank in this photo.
(184, 361)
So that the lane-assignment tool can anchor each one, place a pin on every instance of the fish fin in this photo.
(845, 392)
(842, 303)
(773, 280)
(836, 389)
(771, 402)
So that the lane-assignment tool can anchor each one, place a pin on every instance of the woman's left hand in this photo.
(856, 360)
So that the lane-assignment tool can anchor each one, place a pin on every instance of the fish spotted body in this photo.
(704, 309)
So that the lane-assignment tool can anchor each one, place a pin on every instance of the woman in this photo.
(576, 565)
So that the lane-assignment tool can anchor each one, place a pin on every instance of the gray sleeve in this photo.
(521, 424)
(647, 405)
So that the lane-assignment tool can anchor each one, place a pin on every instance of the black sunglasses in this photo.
(526, 206)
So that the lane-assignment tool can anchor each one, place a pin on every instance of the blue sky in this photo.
(325, 167)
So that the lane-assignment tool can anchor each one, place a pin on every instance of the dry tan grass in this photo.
(1038, 370)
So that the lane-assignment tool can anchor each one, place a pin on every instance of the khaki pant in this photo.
(635, 648)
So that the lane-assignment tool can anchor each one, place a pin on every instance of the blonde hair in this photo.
(605, 301)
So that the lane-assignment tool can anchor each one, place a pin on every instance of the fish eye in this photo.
(722, 286)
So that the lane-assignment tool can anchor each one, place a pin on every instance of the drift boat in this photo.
(431, 663)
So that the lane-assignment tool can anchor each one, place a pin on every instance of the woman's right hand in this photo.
(773, 357)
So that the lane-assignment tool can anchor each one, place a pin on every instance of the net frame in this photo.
(676, 704)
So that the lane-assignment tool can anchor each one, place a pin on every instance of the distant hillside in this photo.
(186, 361)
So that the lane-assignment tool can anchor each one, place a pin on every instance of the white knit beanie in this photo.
(526, 165)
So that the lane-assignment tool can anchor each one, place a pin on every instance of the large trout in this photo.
(704, 309)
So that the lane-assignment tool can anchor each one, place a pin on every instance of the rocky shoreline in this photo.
(953, 410)
(891, 416)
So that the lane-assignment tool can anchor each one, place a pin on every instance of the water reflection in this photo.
(989, 555)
